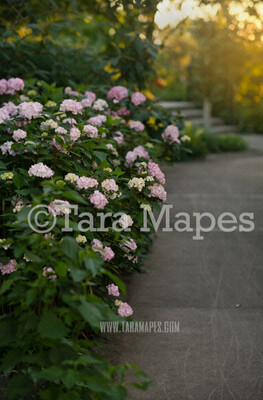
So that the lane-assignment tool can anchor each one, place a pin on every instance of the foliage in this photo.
(53, 285)
(203, 142)
(78, 41)
(218, 58)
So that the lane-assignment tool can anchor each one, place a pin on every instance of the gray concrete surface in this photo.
(214, 288)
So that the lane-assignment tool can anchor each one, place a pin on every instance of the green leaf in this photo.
(78, 275)
(75, 196)
(18, 180)
(6, 286)
(11, 359)
(69, 379)
(93, 264)
(2, 165)
(19, 386)
(116, 280)
(96, 312)
(70, 248)
(100, 155)
(7, 331)
(50, 326)
(61, 269)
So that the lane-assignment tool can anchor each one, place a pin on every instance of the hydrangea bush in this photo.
(99, 152)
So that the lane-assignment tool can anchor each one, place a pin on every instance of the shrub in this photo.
(62, 149)
(203, 142)
(85, 42)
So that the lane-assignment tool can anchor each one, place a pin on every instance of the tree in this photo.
(66, 41)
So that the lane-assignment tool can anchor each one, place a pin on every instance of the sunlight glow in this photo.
(170, 13)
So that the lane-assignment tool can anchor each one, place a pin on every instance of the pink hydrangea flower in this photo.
(141, 152)
(14, 85)
(96, 245)
(98, 199)
(40, 170)
(71, 105)
(30, 109)
(158, 191)
(68, 90)
(74, 133)
(118, 93)
(90, 96)
(138, 98)
(155, 171)
(71, 121)
(49, 273)
(3, 86)
(19, 134)
(95, 121)
(59, 207)
(136, 125)
(118, 137)
(61, 131)
(109, 185)
(8, 268)
(3, 115)
(171, 134)
(124, 310)
(95, 165)
(113, 290)
(86, 103)
(125, 221)
(58, 146)
(100, 105)
(6, 148)
(131, 258)
(86, 183)
(11, 108)
(121, 112)
(130, 157)
(107, 253)
(90, 131)
(129, 245)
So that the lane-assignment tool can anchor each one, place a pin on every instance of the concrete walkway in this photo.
(213, 287)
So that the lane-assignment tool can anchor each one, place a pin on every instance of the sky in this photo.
(169, 14)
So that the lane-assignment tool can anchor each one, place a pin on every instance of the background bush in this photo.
(79, 41)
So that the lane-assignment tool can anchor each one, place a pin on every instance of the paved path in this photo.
(218, 353)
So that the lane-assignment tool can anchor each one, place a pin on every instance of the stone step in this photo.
(200, 121)
(195, 116)
(176, 105)
(224, 129)
(190, 113)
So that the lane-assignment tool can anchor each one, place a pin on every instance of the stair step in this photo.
(192, 113)
(195, 116)
(224, 129)
(176, 105)
(200, 121)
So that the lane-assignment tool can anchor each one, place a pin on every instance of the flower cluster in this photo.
(40, 170)
(8, 268)
(171, 134)
(30, 110)
(72, 106)
(106, 252)
(11, 86)
(98, 199)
